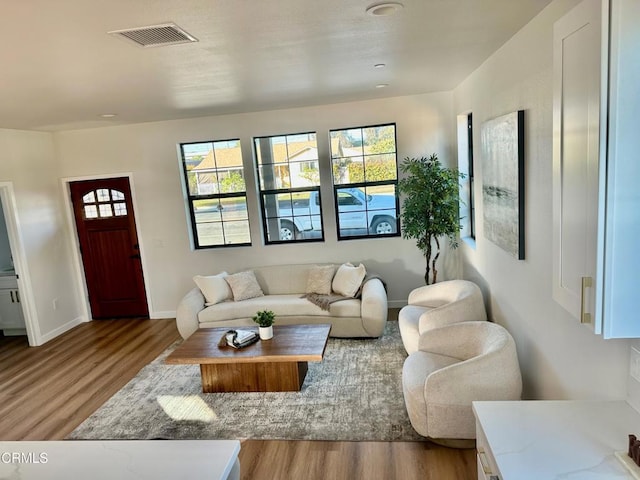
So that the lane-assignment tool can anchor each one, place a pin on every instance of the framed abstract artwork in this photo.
(503, 182)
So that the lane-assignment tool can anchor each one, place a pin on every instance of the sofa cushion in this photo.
(284, 305)
(320, 278)
(214, 288)
(348, 279)
(244, 285)
(283, 279)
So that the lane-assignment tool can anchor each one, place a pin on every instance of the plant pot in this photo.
(266, 333)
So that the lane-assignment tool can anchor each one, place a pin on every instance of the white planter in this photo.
(266, 332)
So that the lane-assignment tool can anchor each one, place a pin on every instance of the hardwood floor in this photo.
(297, 460)
(47, 391)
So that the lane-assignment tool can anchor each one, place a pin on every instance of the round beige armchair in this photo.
(436, 305)
(454, 366)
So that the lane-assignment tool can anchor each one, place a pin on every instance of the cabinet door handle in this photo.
(585, 317)
(11, 293)
(484, 462)
(17, 296)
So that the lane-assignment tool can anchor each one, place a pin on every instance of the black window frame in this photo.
(472, 200)
(191, 198)
(364, 185)
(303, 236)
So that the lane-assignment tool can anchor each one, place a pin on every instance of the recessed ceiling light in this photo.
(108, 115)
(384, 9)
(379, 65)
(382, 85)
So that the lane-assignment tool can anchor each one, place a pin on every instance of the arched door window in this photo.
(104, 203)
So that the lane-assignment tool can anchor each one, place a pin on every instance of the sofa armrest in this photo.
(373, 308)
(187, 312)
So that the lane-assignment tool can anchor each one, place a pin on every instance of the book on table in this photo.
(241, 338)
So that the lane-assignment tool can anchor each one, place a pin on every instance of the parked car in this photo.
(357, 212)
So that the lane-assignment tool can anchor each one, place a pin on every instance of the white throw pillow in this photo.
(348, 279)
(244, 285)
(319, 279)
(214, 288)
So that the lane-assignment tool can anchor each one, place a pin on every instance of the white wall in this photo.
(149, 151)
(559, 358)
(27, 161)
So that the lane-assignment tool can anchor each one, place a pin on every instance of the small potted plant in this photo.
(265, 320)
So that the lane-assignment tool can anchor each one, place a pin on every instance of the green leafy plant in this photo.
(234, 182)
(430, 207)
(265, 318)
(377, 170)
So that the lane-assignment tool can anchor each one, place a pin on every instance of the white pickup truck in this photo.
(358, 214)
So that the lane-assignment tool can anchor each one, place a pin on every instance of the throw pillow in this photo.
(214, 288)
(244, 285)
(319, 280)
(348, 279)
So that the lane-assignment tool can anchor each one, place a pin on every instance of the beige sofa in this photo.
(283, 286)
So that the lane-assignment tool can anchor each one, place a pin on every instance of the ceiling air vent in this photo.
(155, 35)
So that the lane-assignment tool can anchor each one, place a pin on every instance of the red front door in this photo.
(109, 246)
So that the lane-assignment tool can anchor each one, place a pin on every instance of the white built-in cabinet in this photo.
(596, 165)
(11, 315)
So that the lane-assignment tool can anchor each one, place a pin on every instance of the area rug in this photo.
(354, 394)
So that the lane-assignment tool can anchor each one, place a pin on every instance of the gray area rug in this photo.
(355, 394)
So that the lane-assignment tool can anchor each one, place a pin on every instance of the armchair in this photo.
(454, 366)
(436, 305)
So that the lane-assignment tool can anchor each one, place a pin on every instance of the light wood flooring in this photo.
(47, 391)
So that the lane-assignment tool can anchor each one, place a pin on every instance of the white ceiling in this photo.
(60, 69)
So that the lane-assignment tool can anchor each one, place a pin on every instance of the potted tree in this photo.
(265, 320)
(430, 208)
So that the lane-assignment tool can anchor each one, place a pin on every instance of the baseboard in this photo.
(59, 331)
(396, 303)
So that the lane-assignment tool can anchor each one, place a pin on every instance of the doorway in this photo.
(109, 248)
(21, 307)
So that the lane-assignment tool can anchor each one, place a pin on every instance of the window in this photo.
(216, 193)
(365, 179)
(289, 187)
(103, 203)
(465, 166)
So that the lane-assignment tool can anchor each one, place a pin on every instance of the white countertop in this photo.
(558, 439)
(121, 460)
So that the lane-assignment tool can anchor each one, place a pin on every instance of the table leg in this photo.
(253, 377)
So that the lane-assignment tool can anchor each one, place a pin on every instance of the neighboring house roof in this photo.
(226, 158)
(279, 151)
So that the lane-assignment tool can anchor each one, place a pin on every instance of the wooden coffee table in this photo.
(275, 365)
